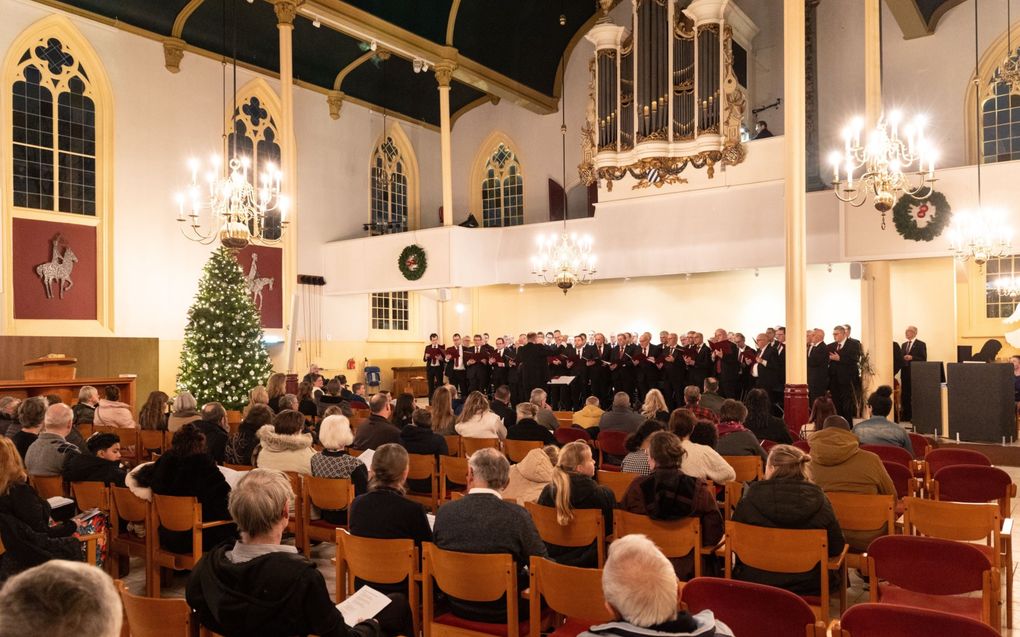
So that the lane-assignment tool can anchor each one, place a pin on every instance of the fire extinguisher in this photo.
(350, 363)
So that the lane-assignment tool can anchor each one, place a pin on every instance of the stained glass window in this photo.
(1000, 126)
(391, 311)
(255, 136)
(502, 189)
(389, 188)
(54, 131)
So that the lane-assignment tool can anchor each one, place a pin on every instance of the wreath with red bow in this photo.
(412, 262)
(932, 211)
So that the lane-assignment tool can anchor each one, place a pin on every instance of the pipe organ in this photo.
(667, 93)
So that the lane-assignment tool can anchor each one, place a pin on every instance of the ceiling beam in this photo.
(910, 19)
(451, 22)
(182, 17)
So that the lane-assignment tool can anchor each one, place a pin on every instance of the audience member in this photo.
(307, 404)
(879, 430)
(654, 407)
(443, 418)
(501, 407)
(478, 421)
(287, 401)
(531, 475)
(85, 408)
(403, 408)
(31, 413)
(527, 428)
(734, 438)
(184, 410)
(640, 588)
(822, 408)
(357, 397)
(217, 432)
(418, 438)
(258, 585)
(573, 487)
(456, 400)
(53, 399)
(701, 460)
(8, 414)
(47, 455)
(710, 398)
(636, 461)
(377, 430)
(153, 414)
(588, 417)
(620, 417)
(760, 420)
(241, 445)
(111, 412)
(692, 402)
(787, 499)
(100, 464)
(61, 599)
(545, 415)
(331, 396)
(507, 529)
(284, 445)
(257, 396)
(334, 461)
(187, 469)
(276, 387)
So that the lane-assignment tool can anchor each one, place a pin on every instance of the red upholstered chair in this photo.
(611, 443)
(767, 445)
(885, 620)
(921, 445)
(974, 483)
(947, 456)
(888, 453)
(934, 574)
(564, 435)
(751, 609)
(803, 445)
(906, 484)
(574, 594)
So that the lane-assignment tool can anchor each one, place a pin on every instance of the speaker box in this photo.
(444, 294)
(856, 271)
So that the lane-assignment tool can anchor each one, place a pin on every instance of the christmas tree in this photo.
(223, 355)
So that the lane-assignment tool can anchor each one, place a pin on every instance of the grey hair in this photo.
(638, 581)
(491, 467)
(538, 396)
(527, 410)
(287, 401)
(58, 417)
(335, 432)
(60, 599)
(184, 401)
(86, 392)
(259, 501)
(621, 399)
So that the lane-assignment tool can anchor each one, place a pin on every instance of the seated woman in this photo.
(573, 487)
(153, 414)
(241, 445)
(698, 439)
(306, 400)
(787, 499)
(284, 445)
(654, 407)
(760, 420)
(403, 409)
(822, 408)
(443, 418)
(101, 462)
(259, 586)
(668, 494)
(478, 421)
(111, 412)
(331, 396)
(257, 396)
(531, 475)
(527, 427)
(418, 438)
(334, 461)
(187, 469)
(734, 438)
(637, 444)
(184, 410)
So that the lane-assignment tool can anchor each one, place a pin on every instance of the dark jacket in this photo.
(195, 475)
(309, 407)
(22, 441)
(24, 547)
(529, 429)
(585, 493)
(9, 422)
(84, 467)
(506, 412)
(241, 445)
(83, 414)
(422, 441)
(739, 442)
(788, 504)
(215, 439)
(273, 595)
(385, 514)
(769, 427)
(374, 433)
(326, 401)
(22, 502)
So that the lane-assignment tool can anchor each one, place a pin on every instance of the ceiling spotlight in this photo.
(316, 23)
(417, 65)
(563, 19)
(373, 46)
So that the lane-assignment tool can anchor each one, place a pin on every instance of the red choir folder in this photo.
(832, 347)
(452, 353)
(477, 357)
(749, 356)
(435, 353)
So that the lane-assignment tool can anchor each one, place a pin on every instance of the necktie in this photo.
(909, 343)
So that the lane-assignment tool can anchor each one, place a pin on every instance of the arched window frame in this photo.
(483, 184)
(988, 63)
(59, 27)
(380, 163)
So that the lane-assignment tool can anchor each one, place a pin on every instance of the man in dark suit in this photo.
(674, 372)
(727, 367)
(647, 371)
(772, 368)
(700, 366)
(745, 379)
(621, 367)
(912, 349)
(597, 371)
(844, 372)
(433, 359)
(498, 371)
(532, 359)
(817, 365)
(578, 389)
(513, 368)
(456, 374)
(477, 370)
(855, 344)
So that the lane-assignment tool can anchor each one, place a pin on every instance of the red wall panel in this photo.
(269, 265)
(33, 246)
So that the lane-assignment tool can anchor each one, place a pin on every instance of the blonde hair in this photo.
(12, 470)
(257, 396)
(654, 403)
(475, 405)
(259, 501)
(276, 385)
(442, 410)
(572, 456)
(789, 463)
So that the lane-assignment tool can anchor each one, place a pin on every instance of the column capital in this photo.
(286, 10)
(335, 99)
(173, 52)
(444, 72)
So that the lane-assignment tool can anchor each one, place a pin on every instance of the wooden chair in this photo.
(85, 429)
(803, 445)
(48, 486)
(380, 562)
(752, 609)
(921, 445)
(453, 445)
(238, 467)
(128, 436)
(354, 453)
(295, 525)
(888, 453)
(617, 481)
(859, 512)
(967, 522)
(574, 594)
(787, 551)
(934, 574)
(886, 620)
(948, 456)
(177, 513)
(127, 507)
(748, 469)
(151, 441)
(563, 435)
(91, 495)
(335, 494)
(610, 444)
(587, 528)
(151, 617)
(974, 483)
(451, 470)
(904, 481)
(471, 577)
(564, 418)
(470, 445)
(515, 450)
(675, 538)
(423, 467)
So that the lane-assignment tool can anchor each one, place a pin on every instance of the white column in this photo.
(795, 130)
(444, 74)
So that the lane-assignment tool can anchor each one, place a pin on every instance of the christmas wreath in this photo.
(934, 209)
(412, 262)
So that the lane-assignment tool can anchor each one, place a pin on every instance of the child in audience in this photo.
(100, 464)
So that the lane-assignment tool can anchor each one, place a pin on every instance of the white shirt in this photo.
(459, 364)
(479, 490)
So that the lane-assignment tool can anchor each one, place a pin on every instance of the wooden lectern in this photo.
(51, 367)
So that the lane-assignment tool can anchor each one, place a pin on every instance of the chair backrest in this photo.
(748, 608)
(776, 550)
(91, 495)
(472, 577)
(617, 481)
(327, 493)
(127, 506)
(675, 538)
(747, 468)
(564, 435)
(470, 445)
(155, 617)
(889, 453)
(612, 442)
(767, 445)
(920, 443)
(901, 477)
(928, 565)
(452, 444)
(587, 527)
(373, 560)
(421, 466)
(238, 467)
(453, 470)
(575, 593)
(962, 521)
(177, 513)
(859, 512)
(890, 620)
(128, 436)
(515, 450)
(974, 483)
(803, 445)
(47, 486)
(151, 440)
(944, 457)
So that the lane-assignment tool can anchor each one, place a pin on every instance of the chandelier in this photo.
(1008, 286)
(1008, 72)
(230, 208)
(979, 234)
(889, 162)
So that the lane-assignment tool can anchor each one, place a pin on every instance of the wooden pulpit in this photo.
(51, 367)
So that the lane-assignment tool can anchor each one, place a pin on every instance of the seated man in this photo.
(589, 415)
(60, 598)
(377, 430)
(879, 430)
(47, 455)
(621, 417)
(710, 398)
(482, 522)
(258, 586)
(641, 591)
(545, 416)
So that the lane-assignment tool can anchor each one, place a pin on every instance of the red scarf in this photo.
(728, 427)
